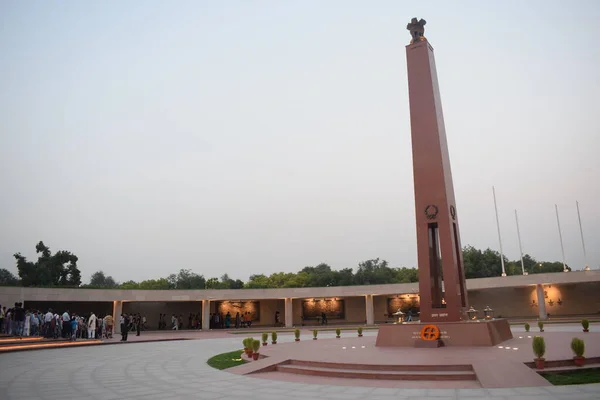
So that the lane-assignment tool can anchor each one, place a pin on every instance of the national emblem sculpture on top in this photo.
(442, 285)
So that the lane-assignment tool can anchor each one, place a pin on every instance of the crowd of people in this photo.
(217, 321)
(16, 321)
(220, 321)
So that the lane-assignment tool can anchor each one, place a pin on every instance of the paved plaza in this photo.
(178, 370)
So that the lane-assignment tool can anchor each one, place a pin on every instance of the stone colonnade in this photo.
(288, 313)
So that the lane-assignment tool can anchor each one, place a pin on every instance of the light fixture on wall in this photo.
(550, 302)
(559, 302)
(533, 303)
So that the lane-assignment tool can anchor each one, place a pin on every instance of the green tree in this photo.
(100, 280)
(482, 264)
(374, 272)
(213, 283)
(59, 269)
(129, 285)
(259, 281)
(321, 276)
(7, 278)
(186, 279)
(406, 275)
(155, 284)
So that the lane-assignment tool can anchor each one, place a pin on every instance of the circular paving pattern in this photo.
(178, 370)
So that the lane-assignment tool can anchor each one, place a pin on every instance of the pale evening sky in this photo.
(262, 136)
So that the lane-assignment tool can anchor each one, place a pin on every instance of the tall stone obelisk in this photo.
(442, 286)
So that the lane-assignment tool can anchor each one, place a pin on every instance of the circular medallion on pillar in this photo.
(431, 211)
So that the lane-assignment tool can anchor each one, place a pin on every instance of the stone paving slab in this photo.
(176, 370)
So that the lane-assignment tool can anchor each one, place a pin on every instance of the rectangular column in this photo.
(369, 309)
(541, 302)
(205, 315)
(289, 316)
(117, 311)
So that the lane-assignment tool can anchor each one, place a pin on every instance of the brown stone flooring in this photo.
(496, 367)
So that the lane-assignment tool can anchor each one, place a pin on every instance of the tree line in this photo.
(60, 270)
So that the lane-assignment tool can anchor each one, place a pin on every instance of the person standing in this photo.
(108, 320)
(66, 325)
(48, 324)
(19, 313)
(2, 314)
(138, 325)
(91, 326)
(74, 324)
(124, 327)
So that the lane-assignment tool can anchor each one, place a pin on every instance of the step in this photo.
(383, 367)
(380, 375)
(25, 342)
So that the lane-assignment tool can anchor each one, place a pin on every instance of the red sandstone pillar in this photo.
(442, 284)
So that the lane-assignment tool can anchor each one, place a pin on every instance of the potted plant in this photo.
(255, 347)
(315, 333)
(586, 325)
(541, 326)
(265, 337)
(578, 347)
(273, 337)
(248, 346)
(297, 334)
(539, 349)
(338, 333)
(527, 326)
(250, 350)
(360, 329)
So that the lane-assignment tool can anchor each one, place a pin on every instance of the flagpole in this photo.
(499, 237)
(562, 249)
(520, 247)
(586, 268)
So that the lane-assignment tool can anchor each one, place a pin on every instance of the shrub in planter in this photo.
(273, 337)
(255, 347)
(338, 333)
(360, 329)
(541, 326)
(527, 327)
(586, 325)
(315, 333)
(297, 334)
(265, 337)
(539, 349)
(578, 347)
(248, 346)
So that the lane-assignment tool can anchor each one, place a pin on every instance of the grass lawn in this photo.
(226, 360)
(583, 376)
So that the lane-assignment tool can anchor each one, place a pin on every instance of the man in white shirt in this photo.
(48, 324)
(66, 324)
(92, 326)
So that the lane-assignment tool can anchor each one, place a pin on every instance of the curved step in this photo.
(383, 367)
(380, 374)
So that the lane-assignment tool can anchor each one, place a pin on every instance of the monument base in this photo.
(462, 333)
